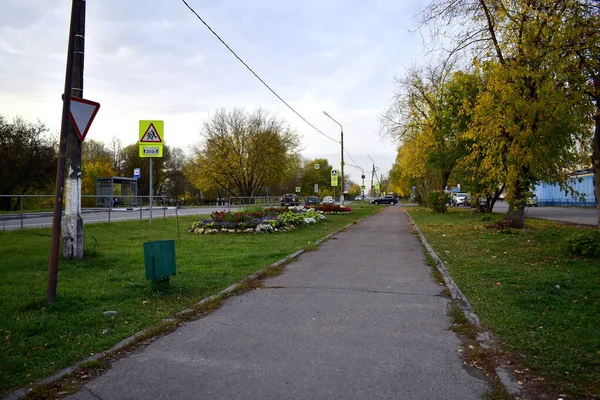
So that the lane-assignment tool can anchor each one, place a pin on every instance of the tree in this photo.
(430, 116)
(525, 118)
(354, 191)
(28, 157)
(582, 48)
(161, 169)
(97, 162)
(116, 151)
(311, 176)
(176, 184)
(243, 153)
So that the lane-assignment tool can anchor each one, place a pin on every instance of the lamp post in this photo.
(342, 156)
(372, 174)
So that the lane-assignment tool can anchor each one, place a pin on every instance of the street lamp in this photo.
(372, 174)
(342, 143)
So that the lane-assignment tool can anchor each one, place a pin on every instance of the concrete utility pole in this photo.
(72, 226)
(60, 170)
(372, 175)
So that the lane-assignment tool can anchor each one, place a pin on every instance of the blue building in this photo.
(582, 181)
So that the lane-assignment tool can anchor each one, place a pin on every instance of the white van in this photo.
(328, 200)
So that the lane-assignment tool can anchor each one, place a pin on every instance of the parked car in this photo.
(387, 199)
(311, 200)
(328, 200)
(532, 201)
(290, 199)
(459, 199)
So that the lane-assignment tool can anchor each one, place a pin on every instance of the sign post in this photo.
(151, 145)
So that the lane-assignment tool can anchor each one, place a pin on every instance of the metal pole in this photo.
(342, 177)
(150, 191)
(342, 159)
(362, 191)
(22, 213)
(60, 170)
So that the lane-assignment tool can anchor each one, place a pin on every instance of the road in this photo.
(584, 216)
(576, 215)
(89, 216)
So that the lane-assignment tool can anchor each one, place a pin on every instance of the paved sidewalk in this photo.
(361, 318)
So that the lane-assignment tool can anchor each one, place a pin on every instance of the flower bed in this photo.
(257, 220)
(332, 209)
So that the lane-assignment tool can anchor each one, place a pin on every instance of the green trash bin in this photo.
(159, 257)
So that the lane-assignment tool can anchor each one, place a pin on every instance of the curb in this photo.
(484, 338)
(19, 393)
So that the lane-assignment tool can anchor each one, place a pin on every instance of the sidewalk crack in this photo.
(93, 394)
(351, 289)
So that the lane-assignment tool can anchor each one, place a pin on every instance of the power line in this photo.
(353, 160)
(255, 74)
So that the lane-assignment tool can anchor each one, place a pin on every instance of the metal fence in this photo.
(566, 203)
(27, 208)
(27, 211)
(263, 201)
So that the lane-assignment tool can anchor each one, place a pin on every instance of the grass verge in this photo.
(542, 304)
(37, 339)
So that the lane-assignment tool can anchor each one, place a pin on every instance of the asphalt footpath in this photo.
(360, 318)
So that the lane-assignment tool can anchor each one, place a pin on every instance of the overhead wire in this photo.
(255, 74)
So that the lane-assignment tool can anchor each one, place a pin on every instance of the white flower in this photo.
(265, 227)
(309, 221)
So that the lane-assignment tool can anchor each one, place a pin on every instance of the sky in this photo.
(154, 60)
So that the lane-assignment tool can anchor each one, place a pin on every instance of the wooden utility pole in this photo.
(72, 225)
(60, 170)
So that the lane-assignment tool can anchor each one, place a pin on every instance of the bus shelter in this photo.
(120, 191)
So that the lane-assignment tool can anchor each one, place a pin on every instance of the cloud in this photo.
(156, 60)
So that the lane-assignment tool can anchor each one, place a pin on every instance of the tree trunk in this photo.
(515, 217)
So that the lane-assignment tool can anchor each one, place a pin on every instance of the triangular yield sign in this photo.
(151, 135)
(83, 113)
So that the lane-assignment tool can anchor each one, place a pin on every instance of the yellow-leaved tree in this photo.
(242, 153)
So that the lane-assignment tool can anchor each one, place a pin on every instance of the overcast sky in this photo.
(154, 59)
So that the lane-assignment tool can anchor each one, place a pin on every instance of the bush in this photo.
(292, 218)
(332, 208)
(438, 201)
(585, 244)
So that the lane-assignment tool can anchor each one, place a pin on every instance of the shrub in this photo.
(332, 208)
(292, 218)
(438, 201)
(585, 244)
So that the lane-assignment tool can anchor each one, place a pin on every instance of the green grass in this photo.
(37, 338)
(541, 303)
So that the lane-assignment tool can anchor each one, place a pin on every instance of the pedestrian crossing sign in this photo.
(151, 134)
(334, 177)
